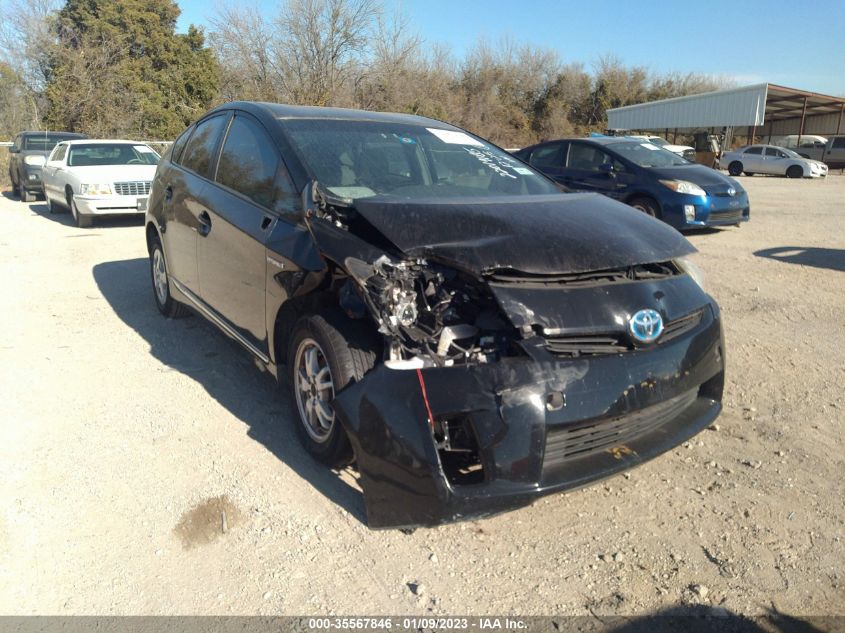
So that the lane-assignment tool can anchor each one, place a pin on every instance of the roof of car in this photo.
(100, 141)
(52, 133)
(284, 111)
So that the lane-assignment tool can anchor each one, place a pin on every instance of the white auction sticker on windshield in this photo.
(454, 138)
(144, 149)
(649, 146)
(523, 171)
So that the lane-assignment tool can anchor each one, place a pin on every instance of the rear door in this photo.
(186, 184)
(752, 160)
(240, 215)
(549, 159)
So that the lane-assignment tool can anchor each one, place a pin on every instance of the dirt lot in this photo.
(121, 433)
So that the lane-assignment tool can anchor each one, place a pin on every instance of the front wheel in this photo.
(647, 206)
(167, 305)
(735, 168)
(795, 171)
(26, 196)
(325, 354)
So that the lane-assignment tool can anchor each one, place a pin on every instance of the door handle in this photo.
(205, 224)
(168, 193)
(266, 221)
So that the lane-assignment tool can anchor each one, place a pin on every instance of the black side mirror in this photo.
(607, 170)
(13, 149)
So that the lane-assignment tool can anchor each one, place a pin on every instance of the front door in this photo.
(231, 245)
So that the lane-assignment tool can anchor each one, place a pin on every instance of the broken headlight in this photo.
(690, 267)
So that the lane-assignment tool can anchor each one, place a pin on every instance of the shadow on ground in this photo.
(63, 216)
(197, 349)
(829, 258)
(705, 619)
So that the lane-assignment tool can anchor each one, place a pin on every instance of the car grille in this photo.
(580, 440)
(137, 188)
(641, 272)
(575, 345)
(726, 216)
(689, 154)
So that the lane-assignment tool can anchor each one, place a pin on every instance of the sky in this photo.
(796, 44)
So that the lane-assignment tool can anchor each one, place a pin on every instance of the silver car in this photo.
(769, 159)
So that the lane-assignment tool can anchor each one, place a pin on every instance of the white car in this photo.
(99, 177)
(684, 151)
(769, 159)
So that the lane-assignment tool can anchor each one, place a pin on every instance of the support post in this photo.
(803, 116)
(839, 125)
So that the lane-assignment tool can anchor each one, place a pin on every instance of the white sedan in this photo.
(99, 177)
(769, 159)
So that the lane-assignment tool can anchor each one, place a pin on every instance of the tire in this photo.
(160, 279)
(646, 205)
(749, 173)
(735, 168)
(795, 171)
(52, 207)
(347, 351)
(16, 189)
(81, 221)
(26, 196)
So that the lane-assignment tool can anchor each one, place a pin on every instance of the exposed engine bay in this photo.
(432, 315)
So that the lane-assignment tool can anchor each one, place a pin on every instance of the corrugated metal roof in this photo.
(737, 106)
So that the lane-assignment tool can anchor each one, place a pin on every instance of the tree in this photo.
(119, 68)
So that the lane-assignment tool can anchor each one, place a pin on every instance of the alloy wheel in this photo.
(160, 276)
(314, 390)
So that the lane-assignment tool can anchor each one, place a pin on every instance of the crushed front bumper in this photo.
(542, 424)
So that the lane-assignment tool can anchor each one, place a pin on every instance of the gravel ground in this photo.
(124, 436)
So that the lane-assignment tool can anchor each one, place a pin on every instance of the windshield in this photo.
(647, 154)
(42, 142)
(656, 140)
(111, 154)
(360, 159)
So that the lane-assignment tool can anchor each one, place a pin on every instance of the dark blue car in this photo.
(641, 174)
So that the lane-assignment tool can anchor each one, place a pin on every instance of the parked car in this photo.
(473, 336)
(684, 151)
(94, 178)
(832, 153)
(797, 141)
(28, 153)
(645, 176)
(768, 159)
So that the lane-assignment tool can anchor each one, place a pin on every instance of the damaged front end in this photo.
(500, 385)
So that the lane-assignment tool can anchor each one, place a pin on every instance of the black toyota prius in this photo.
(443, 315)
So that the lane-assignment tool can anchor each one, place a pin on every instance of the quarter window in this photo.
(179, 145)
(200, 151)
(839, 142)
(249, 161)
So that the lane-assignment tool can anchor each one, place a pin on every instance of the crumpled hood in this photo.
(558, 233)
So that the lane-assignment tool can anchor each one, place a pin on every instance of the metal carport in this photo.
(758, 111)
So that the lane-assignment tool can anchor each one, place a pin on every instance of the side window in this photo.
(199, 154)
(754, 150)
(839, 142)
(774, 153)
(249, 161)
(547, 157)
(179, 145)
(589, 158)
(59, 153)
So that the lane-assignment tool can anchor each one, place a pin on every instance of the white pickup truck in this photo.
(832, 153)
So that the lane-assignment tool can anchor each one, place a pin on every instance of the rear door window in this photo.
(839, 143)
(201, 151)
(548, 157)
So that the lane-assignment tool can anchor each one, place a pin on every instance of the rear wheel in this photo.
(52, 207)
(735, 168)
(165, 302)
(647, 206)
(326, 353)
(795, 171)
